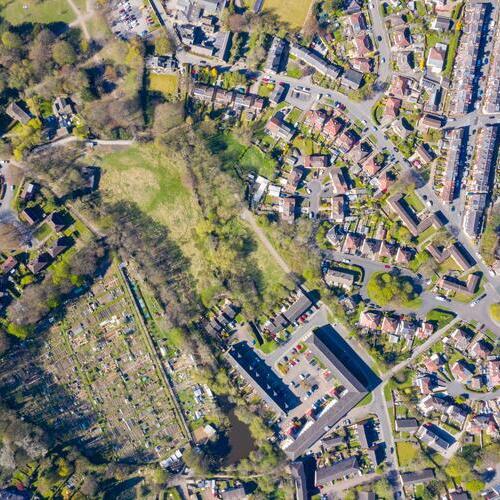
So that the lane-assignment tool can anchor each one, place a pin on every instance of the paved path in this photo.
(419, 350)
(71, 138)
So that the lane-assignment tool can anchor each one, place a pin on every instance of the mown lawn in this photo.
(440, 317)
(407, 453)
(293, 12)
(44, 11)
(166, 84)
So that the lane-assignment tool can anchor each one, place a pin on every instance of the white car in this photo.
(346, 261)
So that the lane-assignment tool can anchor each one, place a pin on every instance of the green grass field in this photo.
(161, 188)
(167, 84)
(292, 12)
(44, 12)
(232, 153)
(407, 453)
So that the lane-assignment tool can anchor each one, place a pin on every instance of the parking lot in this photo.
(130, 18)
(303, 370)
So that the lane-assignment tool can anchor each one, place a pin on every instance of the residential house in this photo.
(403, 255)
(33, 215)
(8, 265)
(332, 128)
(316, 161)
(352, 79)
(389, 324)
(63, 107)
(441, 23)
(424, 330)
(434, 363)
(480, 349)
(483, 423)
(457, 414)
(340, 279)
(432, 403)
(293, 180)
(17, 113)
(315, 119)
(279, 129)
(347, 140)
(29, 191)
(435, 437)
(369, 320)
(60, 246)
(310, 58)
(400, 86)
(429, 121)
(436, 58)
(57, 221)
(363, 44)
(425, 384)
(339, 470)
(358, 22)
(494, 372)
(276, 55)
(461, 339)
(451, 284)
(401, 38)
(391, 110)
(370, 166)
(39, 263)
(461, 371)
(352, 243)
(361, 64)
(418, 477)
(406, 425)
(287, 209)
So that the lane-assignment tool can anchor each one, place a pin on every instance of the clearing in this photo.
(44, 12)
(292, 12)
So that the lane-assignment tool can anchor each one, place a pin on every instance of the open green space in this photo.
(414, 201)
(407, 452)
(161, 187)
(495, 312)
(235, 155)
(291, 12)
(166, 84)
(41, 11)
(440, 317)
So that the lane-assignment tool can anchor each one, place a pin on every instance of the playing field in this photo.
(44, 11)
(161, 188)
(293, 12)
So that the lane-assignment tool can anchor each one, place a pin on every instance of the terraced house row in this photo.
(480, 181)
(467, 61)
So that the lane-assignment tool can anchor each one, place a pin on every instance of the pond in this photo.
(240, 441)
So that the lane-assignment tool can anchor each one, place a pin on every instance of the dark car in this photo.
(379, 38)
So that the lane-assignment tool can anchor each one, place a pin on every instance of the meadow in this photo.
(292, 12)
(161, 188)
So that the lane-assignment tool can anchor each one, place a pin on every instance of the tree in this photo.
(163, 46)
(63, 53)
(11, 40)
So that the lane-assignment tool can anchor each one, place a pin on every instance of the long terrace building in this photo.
(307, 56)
(410, 219)
(467, 60)
(455, 154)
(480, 181)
